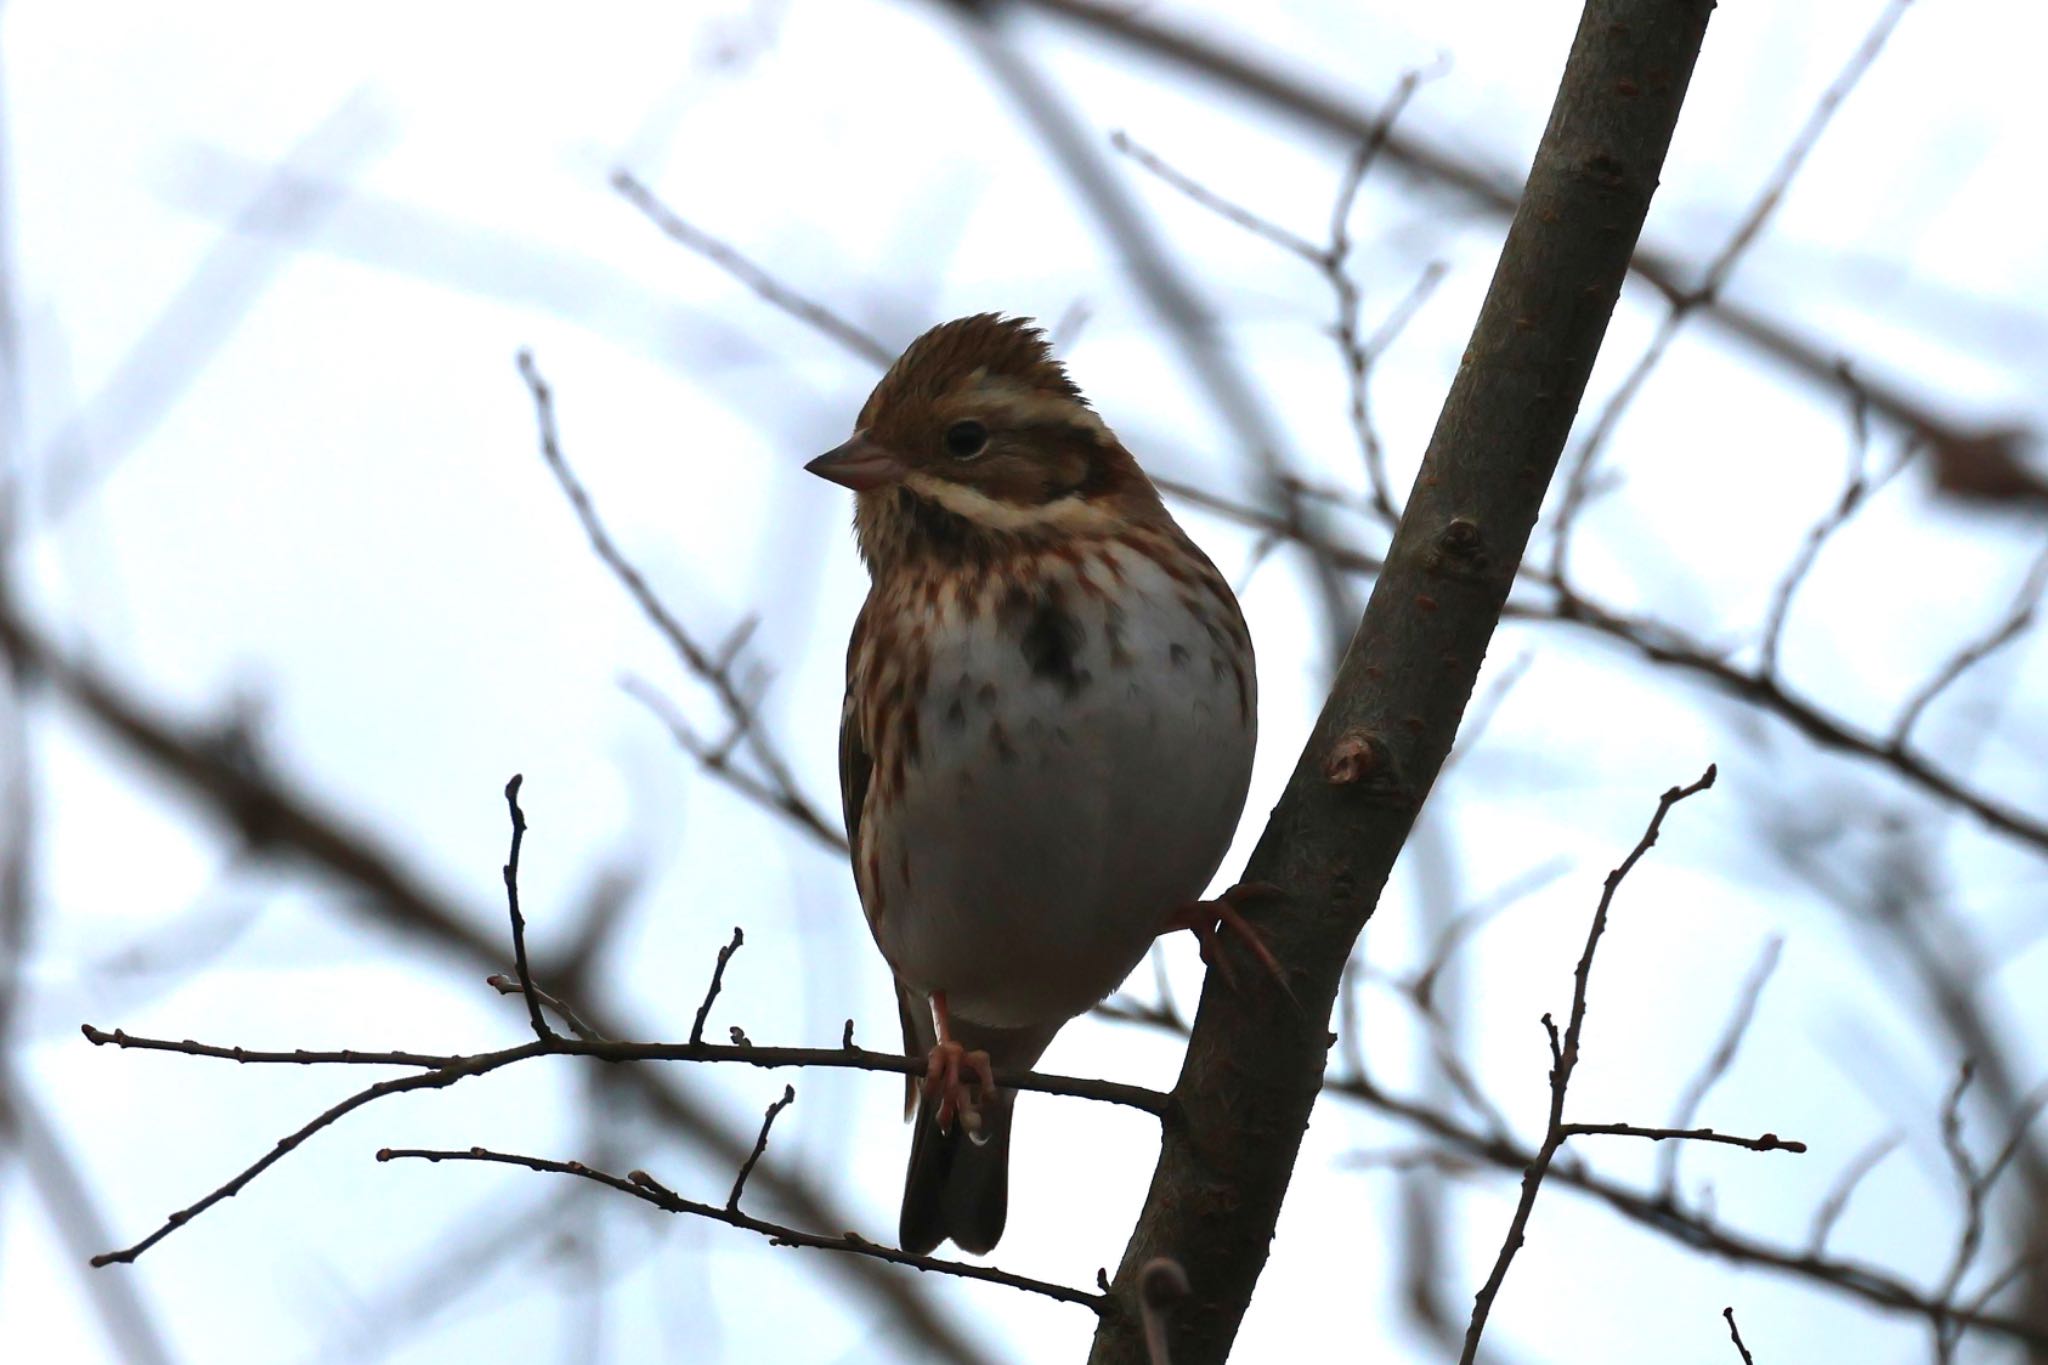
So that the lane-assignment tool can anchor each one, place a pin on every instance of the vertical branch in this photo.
(1564, 1059)
(533, 1014)
(1252, 1071)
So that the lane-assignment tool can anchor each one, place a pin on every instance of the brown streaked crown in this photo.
(945, 360)
(987, 442)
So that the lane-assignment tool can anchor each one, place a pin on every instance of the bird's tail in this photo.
(957, 1186)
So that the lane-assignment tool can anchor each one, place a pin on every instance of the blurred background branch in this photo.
(284, 592)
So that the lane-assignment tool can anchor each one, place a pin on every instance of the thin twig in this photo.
(1767, 1142)
(440, 1071)
(643, 1187)
(1692, 1228)
(1836, 1201)
(801, 815)
(533, 1014)
(710, 666)
(1667, 645)
(291, 822)
(1721, 1058)
(1153, 1102)
(1579, 482)
(728, 258)
(1227, 209)
(1971, 1182)
(717, 980)
(505, 985)
(1225, 61)
(2017, 621)
(1735, 1335)
(1857, 488)
(1565, 1058)
(739, 1184)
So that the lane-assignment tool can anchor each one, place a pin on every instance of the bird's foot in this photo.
(1207, 919)
(964, 1081)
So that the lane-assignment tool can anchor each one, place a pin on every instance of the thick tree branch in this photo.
(1252, 1071)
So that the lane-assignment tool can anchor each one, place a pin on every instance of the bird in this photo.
(1046, 741)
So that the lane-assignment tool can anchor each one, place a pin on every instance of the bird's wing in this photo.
(856, 770)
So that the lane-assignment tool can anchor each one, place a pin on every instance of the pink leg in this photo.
(1208, 918)
(945, 1070)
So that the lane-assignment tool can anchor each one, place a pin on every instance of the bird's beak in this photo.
(860, 464)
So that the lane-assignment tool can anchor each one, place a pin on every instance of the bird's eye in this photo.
(965, 440)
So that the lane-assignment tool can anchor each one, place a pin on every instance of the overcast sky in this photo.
(269, 270)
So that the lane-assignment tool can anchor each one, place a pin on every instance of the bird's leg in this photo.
(949, 1069)
(1208, 918)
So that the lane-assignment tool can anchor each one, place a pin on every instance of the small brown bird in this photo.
(1048, 731)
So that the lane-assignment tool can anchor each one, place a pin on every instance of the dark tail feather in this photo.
(956, 1187)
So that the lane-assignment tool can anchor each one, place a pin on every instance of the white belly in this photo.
(1055, 817)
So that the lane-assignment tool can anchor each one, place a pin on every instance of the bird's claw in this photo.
(1207, 919)
(950, 1069)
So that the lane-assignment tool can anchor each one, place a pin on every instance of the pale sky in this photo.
(278, 452)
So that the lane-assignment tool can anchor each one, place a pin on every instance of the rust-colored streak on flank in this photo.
(870, 885)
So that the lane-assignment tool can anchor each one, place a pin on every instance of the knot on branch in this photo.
(1364, 762)
(1459, 552)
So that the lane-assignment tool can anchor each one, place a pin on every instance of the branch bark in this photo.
(1252, 1070)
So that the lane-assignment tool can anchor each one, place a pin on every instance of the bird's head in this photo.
(977, 424)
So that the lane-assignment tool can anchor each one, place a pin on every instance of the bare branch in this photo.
(533, 1014)
(1229, 210)
(506, 985)
(1829, 1212)
(1970, 1181)
(2017, 621)
(1668, 646)
(717, 980)
(645, 1188)
(1564, 1059)
(1692, 1228)
(750, 1054)
(1815, 362)
(1735, 1335)
(1721, 1058)
(729, 259)
(1579, 482)
(387, 891)
(799, 811)
(710, 666)
(1252, 1071)
(739, 1184)
(1857, 487)
(1767, 1142)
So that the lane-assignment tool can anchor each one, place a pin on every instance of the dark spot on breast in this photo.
(987, 696)
(956, 715)
(1051, 643)
(999, 740)
(1178, 655)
